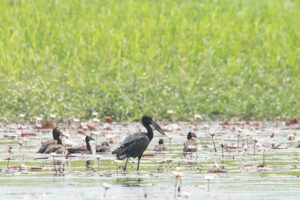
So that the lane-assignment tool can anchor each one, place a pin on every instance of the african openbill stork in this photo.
(135, 144)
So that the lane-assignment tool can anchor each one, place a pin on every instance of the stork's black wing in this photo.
(133, 146)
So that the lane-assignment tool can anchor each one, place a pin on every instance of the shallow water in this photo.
(244, 178)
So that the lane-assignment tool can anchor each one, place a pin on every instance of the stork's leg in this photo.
(138, 167)
(126, 164)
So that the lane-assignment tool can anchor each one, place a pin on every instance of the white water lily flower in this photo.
(179, 169)
(258, 132)
(170, 112)
(96, 120)
(52, 116)
(185, 195)
(96, 133)
(209, 177)
(95, 114)
(216, 165)
(117, 161)
(106, 186)
(255, 140)
(197, 117)
(172, 127)
(258, 144)
(98, 157)
(107, 126)
(191, 147)
(110, 137)
(177, 174)
(21, 115)
(25, 140)
(84, 125)
(212, 134)
(68, 142)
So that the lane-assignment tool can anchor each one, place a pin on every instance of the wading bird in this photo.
(191, 144)
(135, 144)
(56, 140)
(160, 146)
(86, 150)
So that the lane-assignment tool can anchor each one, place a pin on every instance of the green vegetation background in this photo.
(218, 58)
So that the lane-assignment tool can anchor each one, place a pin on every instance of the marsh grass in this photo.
(222, 59)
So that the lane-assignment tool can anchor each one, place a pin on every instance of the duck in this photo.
(57, 148)
(160, 146)
(191, 144)
(85, 150)
(56, 137)
(103, 147)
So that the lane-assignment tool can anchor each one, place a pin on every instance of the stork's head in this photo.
(146, 120)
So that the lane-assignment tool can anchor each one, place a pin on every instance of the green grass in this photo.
(223, 59)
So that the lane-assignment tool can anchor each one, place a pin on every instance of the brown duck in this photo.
(56, 140)
(191, 144)
(160, 146)
(58, 148)
(85, 150)
(103, 147)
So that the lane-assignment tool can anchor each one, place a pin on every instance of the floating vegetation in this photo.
(241, 167)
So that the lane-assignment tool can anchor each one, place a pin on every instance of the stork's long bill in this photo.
(157, 127)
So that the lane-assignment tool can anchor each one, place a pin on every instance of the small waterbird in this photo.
(86, 150)
(135, 144)
(160, 146)
(103, 147)
(58, 148)
(191, 144)
(56, 140)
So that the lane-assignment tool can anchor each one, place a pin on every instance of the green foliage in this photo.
(222, 59)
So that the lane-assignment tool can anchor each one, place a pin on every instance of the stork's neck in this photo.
(88, 146)
(149, 131)
(59, 140)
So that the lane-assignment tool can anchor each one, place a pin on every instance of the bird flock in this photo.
(193, 149)
(133, 145)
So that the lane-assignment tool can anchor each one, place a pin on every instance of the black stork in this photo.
(135, 144)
